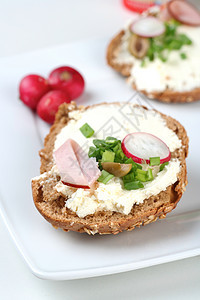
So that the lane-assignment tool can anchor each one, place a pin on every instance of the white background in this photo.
(28, 25)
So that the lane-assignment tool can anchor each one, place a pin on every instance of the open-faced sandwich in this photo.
(110, 167)
(159, 52)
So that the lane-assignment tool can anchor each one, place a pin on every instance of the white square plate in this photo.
(54, 254)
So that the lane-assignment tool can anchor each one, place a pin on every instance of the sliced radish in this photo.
(140, 146)
(184, 12)
(148, 27)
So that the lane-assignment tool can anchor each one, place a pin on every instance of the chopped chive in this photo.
(108, 156)
(129, 161)
(163, 165)
(134, 164)
(139, 166)
(141, 177)
(86, 130)
(111, 140)
(129, 177)
(154, 161)
(116, 148)
(105, 177)
(140, 171)
(94, 152)
(183, 55)
(134, 185)
(143, 63)
(149, 174)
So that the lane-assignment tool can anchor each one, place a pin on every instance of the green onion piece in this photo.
(129, 177)
(154, 161)
(99, 144)
(134, 185)
(138, 166)
(94, 152)
(134, 164)
(143, 63)
(111, 140)
(129, 161)
(139, 171)
(149, 174)
(183, 55)
(141, 177)
(108, 156)
(163, 165)
(86, 130)
(105, 177)
(116, 148)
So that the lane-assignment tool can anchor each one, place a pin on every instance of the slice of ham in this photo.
(184, 12)
(75, 167)
(164, 14)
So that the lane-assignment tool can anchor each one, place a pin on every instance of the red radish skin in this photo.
(184, 12)
(76, 186)
(49, 103)
(151, 139)
(67, 80)
(32, 88)
(138, 6)
(147, 27)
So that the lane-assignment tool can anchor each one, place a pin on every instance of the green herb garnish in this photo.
(183, 55)
(163, 165)
(109, 150)
(149, 174)
(86, 130)
(133, 185)
(170, 40)
(141, 175)
(105, 177)
(154, 161)
(108, 156)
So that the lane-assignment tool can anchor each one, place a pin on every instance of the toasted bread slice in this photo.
(125, 69)
(51, 204)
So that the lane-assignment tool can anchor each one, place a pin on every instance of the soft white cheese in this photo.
(176, 74)
(116, 120)
(112, 196)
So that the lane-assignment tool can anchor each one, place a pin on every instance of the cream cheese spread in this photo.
(111, 120)
(112, 196)
(176, 74)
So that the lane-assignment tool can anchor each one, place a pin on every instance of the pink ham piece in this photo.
(164, 14)
(75, 167)
(184, 12)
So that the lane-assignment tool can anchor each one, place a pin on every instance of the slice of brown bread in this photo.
(165, 96)
(51, 204)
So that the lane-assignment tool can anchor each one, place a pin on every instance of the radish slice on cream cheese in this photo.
(148, 27)
(140, 146)
(74, 166)
(184, 12)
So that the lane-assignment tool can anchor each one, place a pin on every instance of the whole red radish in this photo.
(32, 88)
(49, 103)
(67, 80)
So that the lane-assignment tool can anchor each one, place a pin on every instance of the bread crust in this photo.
(51, 204)
(165, 96)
